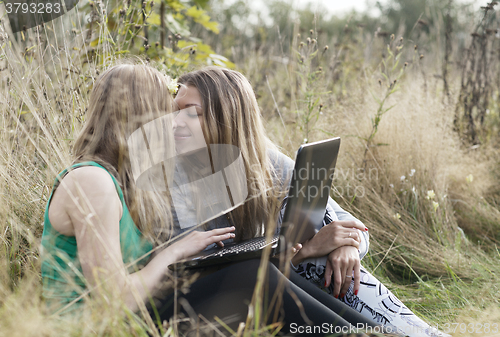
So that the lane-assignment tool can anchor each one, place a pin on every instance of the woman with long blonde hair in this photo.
(98, 227)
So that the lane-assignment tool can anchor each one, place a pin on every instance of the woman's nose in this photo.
(178, 121)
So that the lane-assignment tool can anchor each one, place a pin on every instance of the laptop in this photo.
(305, 208)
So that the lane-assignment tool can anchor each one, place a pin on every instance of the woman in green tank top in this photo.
(98, 226)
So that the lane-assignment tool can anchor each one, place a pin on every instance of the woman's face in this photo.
(188, 122)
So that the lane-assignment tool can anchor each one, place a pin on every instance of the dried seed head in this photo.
(192, 51)
(392, 37)
(311, 32)
(298, 35)
(137, 26)
(157, 44)
(122, 11)
(395, 81)
(170, 37)
(421, 56)
(147, 47)
(326, 48)
(301, 44)
(74, 31)
(406, 64)
(308, 40)
(320, 107)
(379, 82)
(401, 39)
(313, 41)
(91, 4)
(320, 68)
(144, 4)
(152, 3)
(178, 36)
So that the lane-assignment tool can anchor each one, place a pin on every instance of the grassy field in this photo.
(428, 195)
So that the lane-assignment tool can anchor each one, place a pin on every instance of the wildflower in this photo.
(412, 172)
(305, 140)
(403, 178)
(172, 85)
(430, 194)
(469, 178)
(397, 216)
(435, 205)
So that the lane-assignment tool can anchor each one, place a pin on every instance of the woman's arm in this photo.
(94, 210)
(343, 215)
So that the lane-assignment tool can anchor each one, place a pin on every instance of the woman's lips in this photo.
(181, 136)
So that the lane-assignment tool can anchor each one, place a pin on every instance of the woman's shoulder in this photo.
(92, 183)
(279, 159)
(281, 167)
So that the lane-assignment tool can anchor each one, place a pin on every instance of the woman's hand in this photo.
(197, 241)
(329, 238)
(344, 263)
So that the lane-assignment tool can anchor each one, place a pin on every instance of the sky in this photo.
(343, 6)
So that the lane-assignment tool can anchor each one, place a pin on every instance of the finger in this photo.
(220, 244)
(347, 282)
(337, 280)
(328, 273)
(349, 241)
(357, 235)
(353, 233)
(296, 248)
(221, 231)
(216, 238)
(353, 224)
(357, 277)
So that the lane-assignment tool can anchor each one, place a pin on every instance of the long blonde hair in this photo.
(232, 116)
(123, 99)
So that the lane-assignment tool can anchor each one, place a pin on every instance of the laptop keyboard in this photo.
(246, 246)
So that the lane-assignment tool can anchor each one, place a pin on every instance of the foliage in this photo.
(158, 30)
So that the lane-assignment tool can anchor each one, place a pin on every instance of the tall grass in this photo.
(438, 251)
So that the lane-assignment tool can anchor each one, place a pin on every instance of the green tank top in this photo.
(62, 274)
